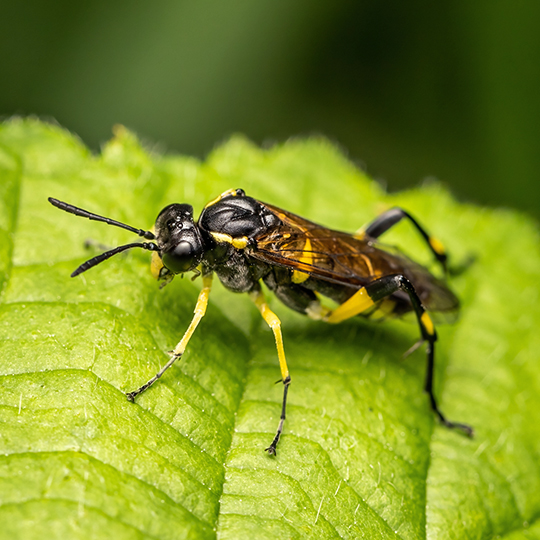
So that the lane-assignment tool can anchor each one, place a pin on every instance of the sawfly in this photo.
(245, 242)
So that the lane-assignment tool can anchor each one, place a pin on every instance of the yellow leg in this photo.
(275, 324)
(200, 310)
(358, 302)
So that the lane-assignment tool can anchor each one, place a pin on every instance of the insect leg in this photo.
(200, 310)
(393, 216)
(381, 288)
(275, 324)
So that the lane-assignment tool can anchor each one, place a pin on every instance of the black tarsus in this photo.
(272, 448)
(428, 387)
(95, 217)
(132, 395)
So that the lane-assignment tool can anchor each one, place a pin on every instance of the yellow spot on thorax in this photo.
(233, 192)
(238, 243)
(219, 197)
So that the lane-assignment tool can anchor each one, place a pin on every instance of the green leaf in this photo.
(361, 454)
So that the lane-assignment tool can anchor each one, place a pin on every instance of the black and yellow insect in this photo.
(245, 241)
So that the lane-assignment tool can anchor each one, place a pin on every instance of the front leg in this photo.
(200, 310)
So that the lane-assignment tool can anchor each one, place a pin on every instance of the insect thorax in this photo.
(226, 224)
(237, 216)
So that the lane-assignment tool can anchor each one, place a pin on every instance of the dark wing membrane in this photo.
(341, 258)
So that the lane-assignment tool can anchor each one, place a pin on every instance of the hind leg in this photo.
(366, 297)
(392, 217)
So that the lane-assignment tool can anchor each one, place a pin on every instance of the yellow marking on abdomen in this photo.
(307, 258)
(358, 302)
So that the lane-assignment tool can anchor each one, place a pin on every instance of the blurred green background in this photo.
(410, 89)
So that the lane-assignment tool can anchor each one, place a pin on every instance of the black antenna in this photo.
(150, 246)
(95, 217)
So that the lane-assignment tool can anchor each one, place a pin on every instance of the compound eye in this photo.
(182, 258)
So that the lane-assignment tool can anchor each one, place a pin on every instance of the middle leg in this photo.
(275, 324)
